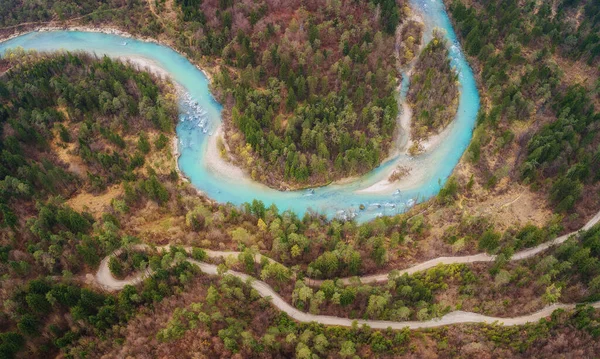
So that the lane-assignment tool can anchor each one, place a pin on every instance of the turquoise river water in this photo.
(197, 123)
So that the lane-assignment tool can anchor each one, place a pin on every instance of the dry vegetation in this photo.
(399, 173)
(411, 33)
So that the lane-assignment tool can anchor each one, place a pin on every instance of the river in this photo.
(429, 170)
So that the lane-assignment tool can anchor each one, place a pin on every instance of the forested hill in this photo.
(538, 69)
(86, 169)
(79, 131)
(71, 126)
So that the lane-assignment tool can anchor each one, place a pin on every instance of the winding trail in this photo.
(475, 258)
(106, 280)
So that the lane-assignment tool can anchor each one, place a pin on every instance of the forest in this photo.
(129, 14)
(292, 76)
(225, 328)
(104, 104)
(516, 50)
(287, 73)
(48, 246)
(433, 92)
(86, 169)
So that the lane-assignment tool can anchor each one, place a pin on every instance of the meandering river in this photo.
(429, 170)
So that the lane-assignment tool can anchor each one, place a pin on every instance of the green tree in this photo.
(115, 266)
(348, 349)
(28, 324)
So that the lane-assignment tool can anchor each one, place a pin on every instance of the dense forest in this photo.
(526, 56)
(433, 91)
(312, 87)
(17, 15)
(90, 109)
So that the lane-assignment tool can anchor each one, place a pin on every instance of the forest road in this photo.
(107, 281)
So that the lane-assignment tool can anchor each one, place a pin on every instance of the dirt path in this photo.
(475, 258)
(106, 280)
(458, 317)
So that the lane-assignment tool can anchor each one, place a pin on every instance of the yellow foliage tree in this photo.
(262, 226)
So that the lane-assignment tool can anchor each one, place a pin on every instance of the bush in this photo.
(199, 254)
(28, 325)
(565, 192)
(10, 344)
(115, 266)
(161, 142)
(449, 192)
(489, 241)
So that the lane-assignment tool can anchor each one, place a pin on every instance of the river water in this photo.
(429, 170)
